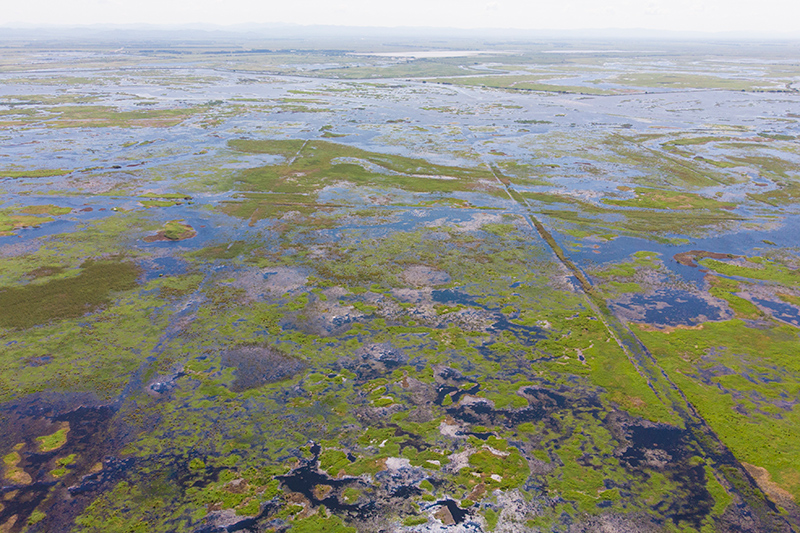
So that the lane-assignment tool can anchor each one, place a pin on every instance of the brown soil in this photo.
(690, 258)
(776, 493)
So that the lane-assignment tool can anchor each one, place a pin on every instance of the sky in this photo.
(677, 15)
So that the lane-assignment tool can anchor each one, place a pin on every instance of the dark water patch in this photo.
(455, 393)
(33, 304)
(305, 479)
(163, 266)
(39, 361)
(782, 311)
(645, 439)
(405, 492)
(527, 335)
(695, 502)
(544, 397)
(113, 470)
(412, 440)
(668, 307)
(482, 436)
(258, 365)
(53, 227)
(458, 514)
(741, 242)
(383, 353)
(447, 374)
(526, 414)
(25, 500)
(668, 449)
(480, 413)
(207, 230)
(375, 360)
(452, 296)
(252, 524)
(542, 403)
(88, 439)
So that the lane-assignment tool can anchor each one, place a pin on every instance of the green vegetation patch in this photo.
(665, 199)
(48, 443)
(174, 230)
(46, 210)
(526, 82)
(10, 222)
(71, 116)
(689, 81)
(14, 218)
(312, 165)
(36, 173)
(729, 373)
(763, 269)
(29, 305)
(592, 219)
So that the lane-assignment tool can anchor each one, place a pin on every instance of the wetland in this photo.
(364, 287)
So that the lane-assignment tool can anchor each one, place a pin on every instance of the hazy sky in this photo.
(698, 15)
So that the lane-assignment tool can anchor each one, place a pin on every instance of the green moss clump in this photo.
(415, 520)
(177, 230)
(197, 465)
(667, 199)
(46, 210)
(36, 517)
(491, 517)
(333, 461)
(512, 469)
(319, 523)
(48, 443)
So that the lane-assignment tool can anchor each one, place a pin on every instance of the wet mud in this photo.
(258, 365)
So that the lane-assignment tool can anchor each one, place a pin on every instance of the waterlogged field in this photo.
(541, 289)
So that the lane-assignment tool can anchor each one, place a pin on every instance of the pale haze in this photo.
(678, 15)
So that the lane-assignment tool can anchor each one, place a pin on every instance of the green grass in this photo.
(160, 203)
(415, 521)
(526, 82)
(48, 443)
(312, 165)
(71, 116)
(176, 230)
(593, 219)
(92, 288)
(765, 270)
(756, 432)
(46, 210)
(688, 81)
(9, 222)
(38, 173)
(669, 199)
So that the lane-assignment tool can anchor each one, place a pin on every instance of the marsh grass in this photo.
(29, 305)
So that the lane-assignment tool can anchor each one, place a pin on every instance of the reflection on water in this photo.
(669, 307)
